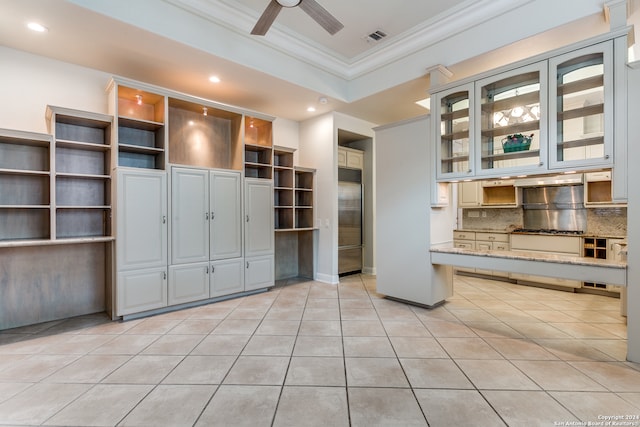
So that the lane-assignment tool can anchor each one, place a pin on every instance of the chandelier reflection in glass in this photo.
(519, 114)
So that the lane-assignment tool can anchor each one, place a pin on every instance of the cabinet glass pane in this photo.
(510, 122)
(580, 107)
(454, 133)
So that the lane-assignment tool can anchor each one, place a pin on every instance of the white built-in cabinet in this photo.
(563, 100)
(259, 233)
(141, 243)
(206, 221)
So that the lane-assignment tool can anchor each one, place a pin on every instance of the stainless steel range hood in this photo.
(545, 181)
(554, 207)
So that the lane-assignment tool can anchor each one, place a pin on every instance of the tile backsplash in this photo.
(600, 221)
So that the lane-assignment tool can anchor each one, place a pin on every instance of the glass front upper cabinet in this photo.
(453, 128)
(581, 126)
(511, 130)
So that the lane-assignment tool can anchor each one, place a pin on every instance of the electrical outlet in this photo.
(484, 214)
(474, 214)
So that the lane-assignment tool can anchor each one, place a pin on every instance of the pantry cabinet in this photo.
(258, 217)
(141, 245)
(206, 215)
(141, 219)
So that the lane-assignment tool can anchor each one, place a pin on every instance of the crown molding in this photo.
(240, 19)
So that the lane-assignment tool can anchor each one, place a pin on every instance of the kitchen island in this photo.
(536, 263)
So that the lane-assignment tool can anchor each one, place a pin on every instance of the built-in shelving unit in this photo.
(283, 191)
(205, 136)
(82, 172)
(25, 185)
(258, 148)
(304, 198)
(141, 127)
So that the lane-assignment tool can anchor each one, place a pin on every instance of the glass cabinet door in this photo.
(453, 125)
(581, 126)
(511, 121)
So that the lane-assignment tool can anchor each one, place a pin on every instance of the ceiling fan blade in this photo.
(321, 16)
(266, 19)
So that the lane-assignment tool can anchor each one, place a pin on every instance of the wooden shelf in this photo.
(130, 148)
(581, 85)
(130, 122)
(459, 114)
(455, 135)
(598, 140)
(25, 206)
(82, 145)
(512, 155)
(578, 113)
(82, 176)
(511, 129)
(24, 172)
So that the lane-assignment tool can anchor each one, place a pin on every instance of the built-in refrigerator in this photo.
(350, 220)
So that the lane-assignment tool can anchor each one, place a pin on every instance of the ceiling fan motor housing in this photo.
(288, 3)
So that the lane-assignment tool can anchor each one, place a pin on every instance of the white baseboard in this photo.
(327, 278)
(370, 271)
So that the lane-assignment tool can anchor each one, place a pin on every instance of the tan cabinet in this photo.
(469, 194)
(350, 158)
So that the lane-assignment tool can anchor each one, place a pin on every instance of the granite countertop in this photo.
(530, 256)
(481, 230)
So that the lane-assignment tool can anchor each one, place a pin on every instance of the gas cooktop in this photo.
(543, 231)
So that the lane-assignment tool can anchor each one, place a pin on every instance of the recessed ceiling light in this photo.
(37, 27)
(311, 109)
(214, 79)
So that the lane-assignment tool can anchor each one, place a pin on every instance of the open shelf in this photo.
(205, 136)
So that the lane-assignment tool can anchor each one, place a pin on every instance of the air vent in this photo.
(376, 36)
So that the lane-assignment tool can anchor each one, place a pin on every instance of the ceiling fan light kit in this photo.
(310, 7)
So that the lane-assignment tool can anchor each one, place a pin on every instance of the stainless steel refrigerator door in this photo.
(349, 227)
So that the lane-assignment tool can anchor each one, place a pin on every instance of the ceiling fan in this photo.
(311, 7)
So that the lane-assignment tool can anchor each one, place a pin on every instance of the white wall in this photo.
(286, 133)
(633, 225)
(317, 151)
(28, 83)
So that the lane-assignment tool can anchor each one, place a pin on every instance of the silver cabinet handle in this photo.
(206, 270)
(164, 219)
(206, 216)
(164, 275)
(213, 269)
(606, 156)
(541, 164)
(247, 264)
(247, 218)
(213, 216)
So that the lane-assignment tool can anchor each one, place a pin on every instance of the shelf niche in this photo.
(211, 140)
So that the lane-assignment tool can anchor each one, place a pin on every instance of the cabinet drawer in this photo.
(492, 237)
(464, 235)
(464, 244)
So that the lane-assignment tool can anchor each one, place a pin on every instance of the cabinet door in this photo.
(259, 273)
(510, 105)
(468, 194)
(453, 126)
(141, 217)
(355, 159)
(258, 217)
(226, 277)
(188, 282)
(226, 215)
(189, 215)
(141, 290)
(342, 157)
(581, 107)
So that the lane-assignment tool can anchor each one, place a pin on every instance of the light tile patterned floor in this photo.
(312, 354)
